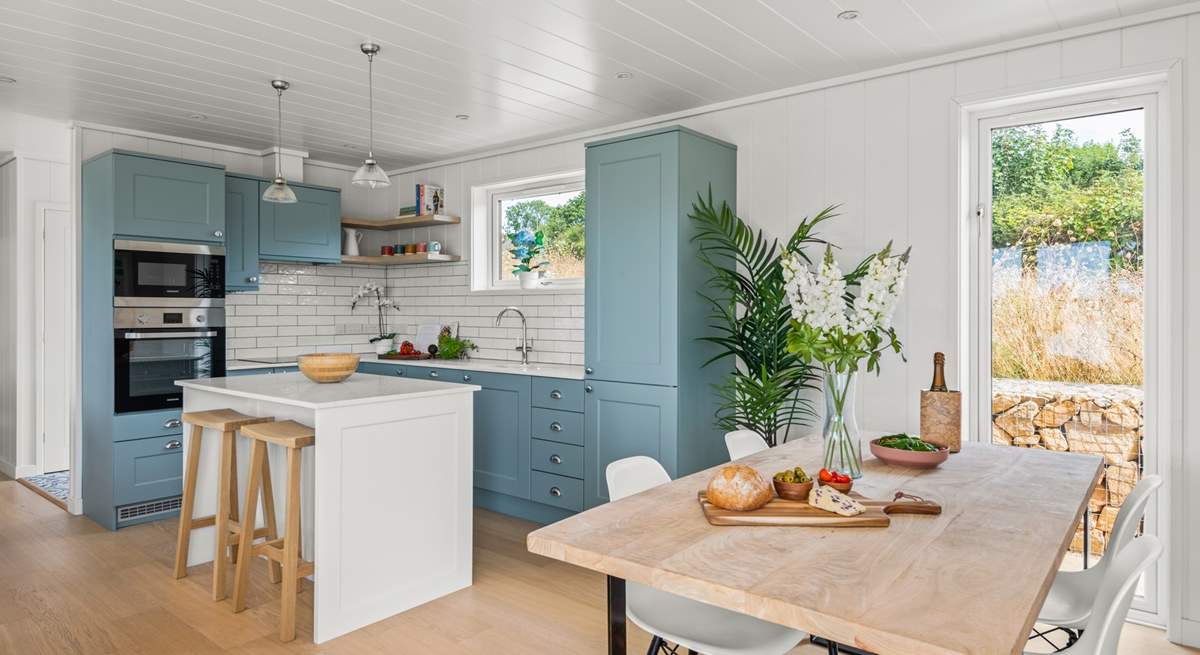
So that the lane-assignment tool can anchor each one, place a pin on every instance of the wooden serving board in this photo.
(405, 357)
(784, 512)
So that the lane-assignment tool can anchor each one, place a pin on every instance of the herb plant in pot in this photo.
(372, 294)
(526, 246)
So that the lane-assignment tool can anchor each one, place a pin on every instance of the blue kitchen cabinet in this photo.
(146, 469)
(161, 198)
(644, 317)
(501, 431)
(241, 233)
(624, 420)
(310, 230)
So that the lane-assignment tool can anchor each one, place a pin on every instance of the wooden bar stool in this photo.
(286, 551)
(227, 422)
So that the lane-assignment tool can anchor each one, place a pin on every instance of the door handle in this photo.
(433, 374)
(169, 335)
(556, 394)
(172, 423)
(173, 444)
(555, 459)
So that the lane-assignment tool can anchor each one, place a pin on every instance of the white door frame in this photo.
(71, 318)
(1157, 89)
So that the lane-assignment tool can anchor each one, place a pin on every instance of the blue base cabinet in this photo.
(501, 432)
(643, 315)
(160, 198)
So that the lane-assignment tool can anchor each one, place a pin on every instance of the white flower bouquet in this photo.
(367, 292)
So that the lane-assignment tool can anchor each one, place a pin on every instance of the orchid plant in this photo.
(841, 329)
(526, 246)
(365, 293)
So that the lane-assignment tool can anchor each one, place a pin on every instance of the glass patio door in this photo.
(1063, 217)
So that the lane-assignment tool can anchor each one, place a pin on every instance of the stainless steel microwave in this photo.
(167, 274)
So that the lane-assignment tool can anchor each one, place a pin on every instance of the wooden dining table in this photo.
(968, 581)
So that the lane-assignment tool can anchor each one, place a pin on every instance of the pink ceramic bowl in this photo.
(911, 458)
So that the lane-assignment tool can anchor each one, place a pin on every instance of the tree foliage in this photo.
(1051, 189)
(562, 225)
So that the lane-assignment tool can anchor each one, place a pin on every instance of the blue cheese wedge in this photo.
(832, 500)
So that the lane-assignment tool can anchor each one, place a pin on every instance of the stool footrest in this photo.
(204, 522)
(235, 527)
(305, 569)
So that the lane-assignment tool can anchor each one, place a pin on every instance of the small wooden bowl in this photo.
(326, 368)
(843, 487)
(793, 490)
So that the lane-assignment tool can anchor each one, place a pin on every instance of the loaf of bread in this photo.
(738, 488)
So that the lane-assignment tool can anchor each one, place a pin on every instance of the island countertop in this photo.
(296, 390)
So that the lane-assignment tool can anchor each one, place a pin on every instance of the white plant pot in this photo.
(383, 347)
(529, 279)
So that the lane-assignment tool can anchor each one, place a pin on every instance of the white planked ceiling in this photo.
(521, 69)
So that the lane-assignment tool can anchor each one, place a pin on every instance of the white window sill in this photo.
(553, 289)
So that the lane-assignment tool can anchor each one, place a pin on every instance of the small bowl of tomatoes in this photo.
(837, 480)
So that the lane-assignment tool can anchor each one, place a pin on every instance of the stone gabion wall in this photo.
(1105, 420)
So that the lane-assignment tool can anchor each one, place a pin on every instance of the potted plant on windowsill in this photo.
(372, 293)
(527, 245)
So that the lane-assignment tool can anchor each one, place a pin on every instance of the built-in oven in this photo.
(167, 274)
(155, 346)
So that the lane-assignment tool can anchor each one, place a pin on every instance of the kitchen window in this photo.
(535, 224)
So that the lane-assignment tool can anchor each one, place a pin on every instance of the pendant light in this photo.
(371, 174)
(279, 191)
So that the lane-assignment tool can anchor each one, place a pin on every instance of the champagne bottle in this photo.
(939, 373)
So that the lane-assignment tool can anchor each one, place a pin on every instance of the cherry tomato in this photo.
(841, 478)
(825, 476)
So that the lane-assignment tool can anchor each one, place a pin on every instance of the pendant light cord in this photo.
(278, 132)
(371, 105)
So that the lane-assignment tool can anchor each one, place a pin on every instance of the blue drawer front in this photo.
(554, 393)
(375, 368)
(557, 490)
(147, 469)
(555, 425)
(558, 458)
(139, 425)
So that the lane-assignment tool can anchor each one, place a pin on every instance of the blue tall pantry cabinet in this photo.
(647, 393)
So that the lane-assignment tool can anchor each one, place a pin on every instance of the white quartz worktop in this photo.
(244, 365)
(296, 390)
(564, 371)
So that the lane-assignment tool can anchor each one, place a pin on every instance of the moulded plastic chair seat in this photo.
(1069, 602)
(742, 443)
(1102, 633)
(701, 627)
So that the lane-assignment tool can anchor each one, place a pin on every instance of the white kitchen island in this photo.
(386, 499)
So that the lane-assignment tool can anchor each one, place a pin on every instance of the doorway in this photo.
(55, 318)
(1064, 261)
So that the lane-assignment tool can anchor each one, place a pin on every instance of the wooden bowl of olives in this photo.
(792, 484)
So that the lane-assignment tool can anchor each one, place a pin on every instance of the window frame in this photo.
(487, 230)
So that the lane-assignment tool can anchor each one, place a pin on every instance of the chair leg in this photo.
(189, 503)
(274, 571)
(291, 550)
(221, 559)
(655, 645)
(246, 538)
(233, 496)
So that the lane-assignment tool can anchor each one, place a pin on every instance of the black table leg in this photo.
(616, 616)
(835, 648)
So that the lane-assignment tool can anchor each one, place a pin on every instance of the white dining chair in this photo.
(701, 627)
(1068, 604)
(741, 443)
(1102, 632)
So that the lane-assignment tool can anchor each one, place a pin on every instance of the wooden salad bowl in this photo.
(326, 368)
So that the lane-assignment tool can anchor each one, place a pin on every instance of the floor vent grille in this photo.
(148, 509)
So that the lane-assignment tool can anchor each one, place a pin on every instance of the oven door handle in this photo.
(169, 335)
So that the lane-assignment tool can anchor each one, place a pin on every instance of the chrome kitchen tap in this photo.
(526, 344)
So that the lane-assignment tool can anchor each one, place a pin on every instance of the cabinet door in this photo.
(623, 420)
(630, 314)
(502, 433)
(309, 230)
(147, 469)
(166, 199)
(241, 234)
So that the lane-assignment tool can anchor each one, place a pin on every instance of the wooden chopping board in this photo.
(783, 512)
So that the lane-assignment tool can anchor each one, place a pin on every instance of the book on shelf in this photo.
(430, 199)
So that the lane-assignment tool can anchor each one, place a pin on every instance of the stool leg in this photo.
(257, 454)
(274, 570)
(291, 554)
(188, 504)
(221, 559)
(233, 495)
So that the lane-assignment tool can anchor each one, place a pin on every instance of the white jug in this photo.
(350, 240)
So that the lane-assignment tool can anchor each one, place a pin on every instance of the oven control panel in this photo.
(168, 317)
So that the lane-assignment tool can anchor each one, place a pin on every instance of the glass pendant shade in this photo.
(280, 192)
(371, 174)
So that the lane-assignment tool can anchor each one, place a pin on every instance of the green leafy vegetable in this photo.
(451, 347)
(906, 442)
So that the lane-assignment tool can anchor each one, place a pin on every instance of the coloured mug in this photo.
(386, 250)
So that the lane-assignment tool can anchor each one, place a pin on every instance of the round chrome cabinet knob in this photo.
(218, 234)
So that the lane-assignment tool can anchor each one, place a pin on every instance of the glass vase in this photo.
(843, 444)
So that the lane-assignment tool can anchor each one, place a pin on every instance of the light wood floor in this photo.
(67, 586)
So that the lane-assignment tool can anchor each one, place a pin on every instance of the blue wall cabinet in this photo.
(643, 312)
(308, 231)
(623, 420)
(164, 198)
(501, 432)
(241, 233)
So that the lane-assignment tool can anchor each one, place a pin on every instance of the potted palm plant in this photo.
(751, 319)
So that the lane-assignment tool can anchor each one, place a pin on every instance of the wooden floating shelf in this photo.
(401, 222)
(400, 260)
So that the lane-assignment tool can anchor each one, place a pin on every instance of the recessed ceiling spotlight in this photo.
(197, 117)
(7, 80)
(623, 75)
(462, 117)
(849, 14)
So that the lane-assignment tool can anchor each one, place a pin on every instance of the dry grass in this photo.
(1075, 332)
